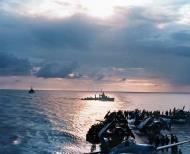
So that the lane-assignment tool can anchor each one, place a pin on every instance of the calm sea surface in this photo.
(56, 122)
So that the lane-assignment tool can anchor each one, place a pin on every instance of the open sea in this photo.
(56, 122)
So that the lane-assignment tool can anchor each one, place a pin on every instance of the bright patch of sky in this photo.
(65, 8)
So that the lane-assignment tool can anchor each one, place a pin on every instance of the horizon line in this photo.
(112, 91)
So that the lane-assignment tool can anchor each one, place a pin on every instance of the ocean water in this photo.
(56, 122)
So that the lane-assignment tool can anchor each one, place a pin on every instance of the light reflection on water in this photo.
(78, 114)
(57, 121)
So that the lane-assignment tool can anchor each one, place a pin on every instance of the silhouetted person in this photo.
(174, 111)
(170, 113)
(179, 152)
(175, 147)
(157, 141)
(172, 142)
(167, 141)
(175, 139)
(162, 141)
(172, 139)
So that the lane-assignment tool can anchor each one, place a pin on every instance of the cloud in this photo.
(11, 65)
(153, 39)
(57, 70)
(182, 36)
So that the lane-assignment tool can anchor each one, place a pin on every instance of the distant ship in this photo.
(31, 91)
(101, 97)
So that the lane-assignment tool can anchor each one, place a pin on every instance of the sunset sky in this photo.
(117, 45)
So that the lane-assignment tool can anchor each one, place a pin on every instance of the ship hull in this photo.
(99, 99)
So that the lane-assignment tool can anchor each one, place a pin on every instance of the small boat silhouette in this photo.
(31, 91)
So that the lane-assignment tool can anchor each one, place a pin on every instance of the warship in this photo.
(101, 97)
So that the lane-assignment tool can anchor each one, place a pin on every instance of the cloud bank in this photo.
(56, 70)
(11, 65)
(152, 38)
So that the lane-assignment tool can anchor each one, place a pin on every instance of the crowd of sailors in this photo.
(166, 140)
(175, 113)
(121, 127)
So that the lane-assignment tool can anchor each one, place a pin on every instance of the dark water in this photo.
(55, 122)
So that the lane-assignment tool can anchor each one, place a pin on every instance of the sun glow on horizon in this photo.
(130, 85)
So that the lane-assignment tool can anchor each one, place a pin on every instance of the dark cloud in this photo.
(75, 33)
(49, 39)
(11, 65)
(57, 70)
(136, 37)
(182, 36)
